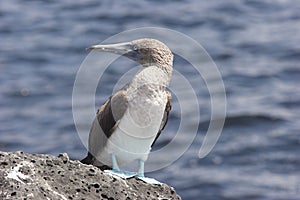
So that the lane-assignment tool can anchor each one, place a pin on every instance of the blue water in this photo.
(254, 43)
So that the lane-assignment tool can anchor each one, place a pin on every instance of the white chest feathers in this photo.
(136, 131)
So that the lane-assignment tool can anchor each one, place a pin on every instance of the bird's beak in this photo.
(120, 48)
(126, 49)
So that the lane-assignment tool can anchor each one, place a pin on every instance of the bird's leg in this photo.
(114, 162)
(116, 169)
(141, 169)
(142, 177)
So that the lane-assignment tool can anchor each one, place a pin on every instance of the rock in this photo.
(38, 176)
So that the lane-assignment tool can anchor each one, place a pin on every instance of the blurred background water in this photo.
(254, 43)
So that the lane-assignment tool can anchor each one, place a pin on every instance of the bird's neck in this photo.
(152, 77)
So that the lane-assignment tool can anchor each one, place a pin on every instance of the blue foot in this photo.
(142, 177)
(149, 180)
(122, 174)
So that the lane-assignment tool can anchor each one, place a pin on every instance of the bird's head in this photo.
(145, 51)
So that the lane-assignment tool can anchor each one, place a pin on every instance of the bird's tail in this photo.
(91, 160)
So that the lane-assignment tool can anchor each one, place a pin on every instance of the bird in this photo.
(128, 124)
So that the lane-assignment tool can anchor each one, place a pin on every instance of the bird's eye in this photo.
(135, 47)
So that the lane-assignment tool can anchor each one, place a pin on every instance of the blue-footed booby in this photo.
(129, 122)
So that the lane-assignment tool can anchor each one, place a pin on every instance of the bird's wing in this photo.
(105, 122)
(112, 111)
(166, 115)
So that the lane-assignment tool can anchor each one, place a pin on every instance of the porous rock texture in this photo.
(39, 176)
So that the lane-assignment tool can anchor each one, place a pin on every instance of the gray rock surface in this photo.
(39, 176)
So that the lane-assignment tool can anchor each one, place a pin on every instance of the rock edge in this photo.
(43, 176)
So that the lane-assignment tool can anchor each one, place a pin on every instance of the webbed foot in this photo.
(149, 180)
(122, 174)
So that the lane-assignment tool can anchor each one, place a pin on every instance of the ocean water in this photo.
(255, 45)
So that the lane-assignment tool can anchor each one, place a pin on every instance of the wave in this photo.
(245, 120)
